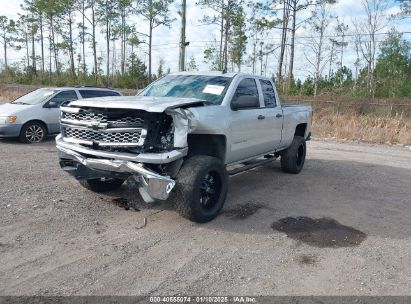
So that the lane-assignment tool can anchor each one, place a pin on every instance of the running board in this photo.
(256, 163)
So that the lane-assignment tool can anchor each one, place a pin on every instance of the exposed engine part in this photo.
(182, 120)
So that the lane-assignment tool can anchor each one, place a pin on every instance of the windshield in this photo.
(210, 89)
(34, 97)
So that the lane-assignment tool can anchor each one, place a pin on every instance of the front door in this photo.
(52, 113)
(247, 125)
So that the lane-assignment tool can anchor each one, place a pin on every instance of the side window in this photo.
(112, 93)
(97, 93)
(63, 97)
(248, 87)
(268, 93)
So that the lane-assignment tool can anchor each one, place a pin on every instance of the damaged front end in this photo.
(146, 149)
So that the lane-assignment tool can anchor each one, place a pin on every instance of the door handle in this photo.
(278, 115)
(261, 117)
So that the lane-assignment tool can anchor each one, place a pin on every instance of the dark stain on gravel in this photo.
(241, 212)
(124, 203)
(307, 259)
(323, 232)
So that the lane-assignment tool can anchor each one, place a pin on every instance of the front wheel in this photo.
(201, 188)
(102, 184)
(292, 159)
(33, 132)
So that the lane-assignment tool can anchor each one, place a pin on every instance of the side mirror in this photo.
(52, 104)
(245, 102)
(65, 103)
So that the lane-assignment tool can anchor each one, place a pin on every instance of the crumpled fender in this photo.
(184, 123)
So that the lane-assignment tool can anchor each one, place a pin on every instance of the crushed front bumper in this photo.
(145, 158)
(152, 186)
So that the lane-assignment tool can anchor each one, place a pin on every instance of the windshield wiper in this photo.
(19, 102)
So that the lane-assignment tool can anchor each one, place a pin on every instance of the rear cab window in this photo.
(268, 93)
(97, 93)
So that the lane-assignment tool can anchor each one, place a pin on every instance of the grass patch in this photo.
(380, 130)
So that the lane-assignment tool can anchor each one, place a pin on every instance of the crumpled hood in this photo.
(9, 109)
(146, 103)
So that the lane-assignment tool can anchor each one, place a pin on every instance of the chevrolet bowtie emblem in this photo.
(95, 125)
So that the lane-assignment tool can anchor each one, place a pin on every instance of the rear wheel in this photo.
(201, 188)
(292, 159)
(102, 184)
(33, 132)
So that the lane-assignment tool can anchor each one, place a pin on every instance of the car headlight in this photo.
(8, 119)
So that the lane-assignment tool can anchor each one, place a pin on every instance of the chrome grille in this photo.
(88, 117)
(127, 121)
(85, 116)
(105, 127)
(101, 137)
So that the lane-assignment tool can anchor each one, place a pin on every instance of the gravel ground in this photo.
(341, 227)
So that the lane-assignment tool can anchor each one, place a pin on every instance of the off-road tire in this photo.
(189, 191)
(292, 159)
(98, 185)
(38, 131)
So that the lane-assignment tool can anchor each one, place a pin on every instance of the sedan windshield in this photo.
(210, 89)
(34, 97)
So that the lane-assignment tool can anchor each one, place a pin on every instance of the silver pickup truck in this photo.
(184, 134)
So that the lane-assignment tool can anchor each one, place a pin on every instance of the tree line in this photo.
(55, 23)
(57, 37)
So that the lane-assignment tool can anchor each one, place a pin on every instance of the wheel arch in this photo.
(300, 130)
(207, 144)
(35, 120)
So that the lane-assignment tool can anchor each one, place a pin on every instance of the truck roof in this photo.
(217, 73)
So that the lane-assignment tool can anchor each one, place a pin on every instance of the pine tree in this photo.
(156, 13)
(7, 30)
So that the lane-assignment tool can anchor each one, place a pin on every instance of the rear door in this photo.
(272, 124)
(247, 126)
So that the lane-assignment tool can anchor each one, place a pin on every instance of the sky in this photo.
(166, 40)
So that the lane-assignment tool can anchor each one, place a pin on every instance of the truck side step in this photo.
(251, 165)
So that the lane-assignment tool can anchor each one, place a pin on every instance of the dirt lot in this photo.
(341, 227)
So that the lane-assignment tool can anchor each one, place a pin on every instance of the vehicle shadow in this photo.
(15, 141)
(368, 198)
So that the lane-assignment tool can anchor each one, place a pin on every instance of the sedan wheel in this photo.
(33, 133)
